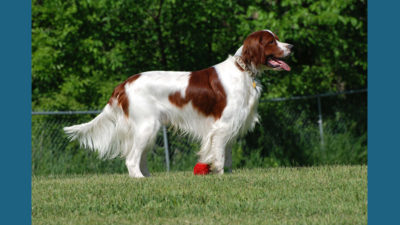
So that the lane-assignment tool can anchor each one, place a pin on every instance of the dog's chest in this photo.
(252, 105)
(243, 103)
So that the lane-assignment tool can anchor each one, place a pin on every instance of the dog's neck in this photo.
(243, 67)
(239, 51)
(238, 60)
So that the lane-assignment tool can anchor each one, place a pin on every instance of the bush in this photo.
(82, 49)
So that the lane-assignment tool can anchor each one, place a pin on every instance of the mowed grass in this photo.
(312, 195)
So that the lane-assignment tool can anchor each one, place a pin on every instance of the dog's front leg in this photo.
(220, 147)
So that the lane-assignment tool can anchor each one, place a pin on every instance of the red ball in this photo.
(201, 169)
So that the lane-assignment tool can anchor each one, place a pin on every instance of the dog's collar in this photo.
(242, 66)
(239, 63)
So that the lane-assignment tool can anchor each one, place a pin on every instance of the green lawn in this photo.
(315, 195)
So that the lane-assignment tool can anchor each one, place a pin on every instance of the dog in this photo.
(214, 105)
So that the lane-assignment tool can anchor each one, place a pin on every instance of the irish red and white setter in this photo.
(214, 105)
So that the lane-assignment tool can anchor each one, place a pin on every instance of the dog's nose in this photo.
(290, 46)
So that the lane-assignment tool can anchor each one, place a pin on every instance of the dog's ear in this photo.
(253, 50)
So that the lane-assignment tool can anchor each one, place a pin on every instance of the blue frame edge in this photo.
(15, 67)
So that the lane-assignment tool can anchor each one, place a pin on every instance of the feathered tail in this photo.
(110, 133)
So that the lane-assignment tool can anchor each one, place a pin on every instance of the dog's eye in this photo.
(271, 42)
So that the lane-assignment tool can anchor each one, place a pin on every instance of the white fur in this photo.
(270, 32)
(281, 45)
(108, 133)
(239, 51)
(111, 133)
(284, 47)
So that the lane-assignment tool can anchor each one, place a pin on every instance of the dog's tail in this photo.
(110, 133)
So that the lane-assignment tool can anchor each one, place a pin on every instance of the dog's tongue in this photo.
(279, 63)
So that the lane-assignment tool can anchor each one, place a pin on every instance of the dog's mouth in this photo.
(277, 64)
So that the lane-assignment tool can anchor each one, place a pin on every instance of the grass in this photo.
(314, 195)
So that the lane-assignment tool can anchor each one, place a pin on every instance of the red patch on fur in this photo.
(120, 95)
(201, 169)
(259, 45)
(205, 91)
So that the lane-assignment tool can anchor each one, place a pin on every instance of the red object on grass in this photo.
(201, 169)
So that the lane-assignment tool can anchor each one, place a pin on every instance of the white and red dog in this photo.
(215, 105)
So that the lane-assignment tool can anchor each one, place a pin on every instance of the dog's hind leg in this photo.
(144, 137)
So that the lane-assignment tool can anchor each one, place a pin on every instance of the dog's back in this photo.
(214, 105)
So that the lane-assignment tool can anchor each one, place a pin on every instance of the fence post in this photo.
(321, 129)
(166, 147)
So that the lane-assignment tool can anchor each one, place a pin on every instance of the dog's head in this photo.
(262, 50)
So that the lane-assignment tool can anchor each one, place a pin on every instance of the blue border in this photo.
(15, 92)
(383, 112)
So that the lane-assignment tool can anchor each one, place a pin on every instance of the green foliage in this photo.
(53, 154)
(339, 147)
(82, 49)
(289, 134)
(316, 195)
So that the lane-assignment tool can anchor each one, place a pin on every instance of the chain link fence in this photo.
(328, 128)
